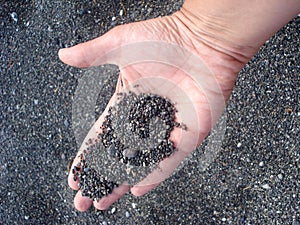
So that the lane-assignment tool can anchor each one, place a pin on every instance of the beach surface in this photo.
(252, 179)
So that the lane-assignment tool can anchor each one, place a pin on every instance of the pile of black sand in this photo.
(135, 132)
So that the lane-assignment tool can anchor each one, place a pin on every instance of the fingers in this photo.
(91, 53)
(92, 134)
(165, 169)
(82, 203)
(168, 165)
(108, 200)
(141, 190)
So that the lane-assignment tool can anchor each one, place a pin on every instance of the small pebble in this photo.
(36, 101)
(14, 16)
(26, 217)
(121, 12)
(104, 223)
(113, 18)
(66, 123)
(127, 214)
(224, 219)
(149, 10)
(239, 144)
(63, 156)
(266, 186)
(280, 176)
(133, 205)
(261, 164)
(113, 210)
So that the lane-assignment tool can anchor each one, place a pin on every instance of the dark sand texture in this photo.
(254, 179)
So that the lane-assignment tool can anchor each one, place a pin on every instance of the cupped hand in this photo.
(165, 57)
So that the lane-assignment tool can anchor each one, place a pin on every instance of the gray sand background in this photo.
(253, 180)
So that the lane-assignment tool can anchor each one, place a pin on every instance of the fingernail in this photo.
(61, 51)
(64, 54)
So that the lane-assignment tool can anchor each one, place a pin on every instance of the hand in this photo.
(164, 57)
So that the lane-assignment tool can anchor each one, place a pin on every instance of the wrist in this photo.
(237, 27)
(203, 29)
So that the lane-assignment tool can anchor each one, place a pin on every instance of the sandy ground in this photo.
(254, 178)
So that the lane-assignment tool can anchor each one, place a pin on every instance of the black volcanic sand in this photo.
(253, 180)
(135, 132)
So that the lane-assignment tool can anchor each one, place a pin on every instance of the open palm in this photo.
(164, 57)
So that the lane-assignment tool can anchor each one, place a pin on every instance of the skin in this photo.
(224, 35)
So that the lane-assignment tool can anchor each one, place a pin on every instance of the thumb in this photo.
(92, 53)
